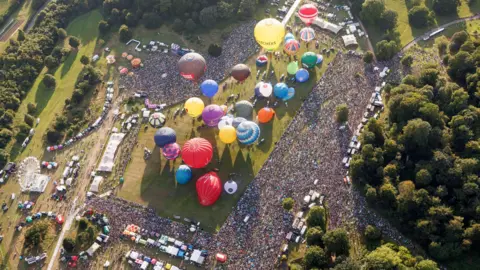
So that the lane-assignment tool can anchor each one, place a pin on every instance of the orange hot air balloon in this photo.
(265, 115)
(209, 188)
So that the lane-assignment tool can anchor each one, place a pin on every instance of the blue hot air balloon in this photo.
(302, 75)
(291, 93)
(319, 59)
(183, 174)
(164, 136)
(248, 132)
(289, 36)
(209, 88)
(280, 90)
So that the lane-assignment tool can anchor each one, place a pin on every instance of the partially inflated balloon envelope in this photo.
(209, 188)
(308, 13)
(262, 60)
(291, 47)
(269, 33)
(226, 120)
(183, 174)
(288, 36)
(302, 75)
(291, 93)
(164, 136)
(244, 108)
(209, 88)
(307, 34)
(319, 59)
(230, 186)
(263, 89)
(227, 134)
(212, 114)
(248, 132)
(171, 151)
(292, 67)
(309, 59)
(280, 90)
(197, 153)
(192, 66)
(265, 115)
(237, 121)
(194, 106)
(240, 72)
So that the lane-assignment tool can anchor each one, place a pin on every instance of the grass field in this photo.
(152, 182)
(22, 14)
(4, 4)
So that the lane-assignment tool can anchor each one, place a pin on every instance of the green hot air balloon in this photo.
(292, 68)
(309, 59)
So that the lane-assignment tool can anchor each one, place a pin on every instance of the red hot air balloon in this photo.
(192, 66)
(197, 153)
(308, 13)
(209, 188)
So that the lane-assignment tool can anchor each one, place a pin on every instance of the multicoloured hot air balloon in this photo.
(171, 151)
(261, 61)
(192, 66)
(212, 114)
(224, 108)
(227, 134)
(309, 60)
(302, 75)
(263, 89)
(291, 93)
(157, 120)
(265, 115)
(307, 34)
(183, 174)
(209, 188)
(240, 72)
(291, 47)
(308, 13)
(280, 90)
(194, 106)
(164, 136)
(197, 153)
(288, 36)
(319, 59)
(269, 33)
(292, 68)
(244, 108)
(248, 132)
(209, 88)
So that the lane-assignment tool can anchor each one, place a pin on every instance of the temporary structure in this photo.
(96, 183)
(349, 40)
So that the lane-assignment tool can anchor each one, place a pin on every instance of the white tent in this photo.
(349, 40)
(93, 249)
(96, 183)
(107, 162)
(172, 250)
(197, 257)
(327, 25)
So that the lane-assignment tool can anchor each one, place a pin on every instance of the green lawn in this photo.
(50, 103)
(152, 182)
(4, 4)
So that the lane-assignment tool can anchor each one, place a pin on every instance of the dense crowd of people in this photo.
(160, 80)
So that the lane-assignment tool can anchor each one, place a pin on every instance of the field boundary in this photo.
(10, 30)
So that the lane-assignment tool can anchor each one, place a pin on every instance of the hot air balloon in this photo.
(292, 67)
(280, 90)
(192, 66)
(307, 34)
(308, 13)
(209, 188)
(224, 108)
(227, 134)
(319, 59)
(288, 36)
(302, 75)
(244, 108)
(197, 153)
(230, 186)
(248, 132)
(227, 120)
(263, 89)
(212, 114)
(171, 151)
(262, 60)
(209, 88)
(110, 59)
(309, 60)
(269, 33)
(194, 106)
(183, 174)
(291, 93)
(240, 72)
(237, 120)
(157, 120)
(164, 136)
(265, 115)
(136, 62)
(291, 47)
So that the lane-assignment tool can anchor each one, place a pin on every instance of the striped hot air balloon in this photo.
(307, 34)
(292, 46)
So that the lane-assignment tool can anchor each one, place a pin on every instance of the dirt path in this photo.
(5, 36)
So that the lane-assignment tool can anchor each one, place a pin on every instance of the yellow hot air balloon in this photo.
(269, 33)
(227, 134)
(194, 106)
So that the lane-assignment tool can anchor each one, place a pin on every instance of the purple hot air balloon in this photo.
(212, 114)
(171, 151)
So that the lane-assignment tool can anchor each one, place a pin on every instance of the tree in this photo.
(22, 131)
(314, 236)
(224, 10)
(4, 156)
(407, 60)
(387, 194)
(383, 258)
(178, 25)
(429, 76)
(386, 49)
(420, 16)
(151, 20)
(54, 136)
(445, 7)
(315, 257)
(208, 16)
(51, 62)
(29, 120)
(368, 57)
(84, 60)
(49, 81)
(74, 42)
(316, 217)
(415, 137)
(83, 224)
(124, 33)
(69, 244)
(336, 241)
(131, 19)
(341, 113)
(372, 233)
(61, 33)
(388, 20)
(372, 10)
(190, 25)
(423, 178)
(36, 233)
(473, 233)
(371, 194)
(214, 50)
(427, 265)
(21, 35)
(103, 27)
(288, 203)
(5, 137)
(459, 66)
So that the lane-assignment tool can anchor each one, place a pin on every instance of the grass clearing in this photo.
(22, 14)
(152, 182)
